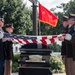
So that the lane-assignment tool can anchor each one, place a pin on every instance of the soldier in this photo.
(73, 41)
(1, 47)
(63, 47)
(8, 50)
(69, 38)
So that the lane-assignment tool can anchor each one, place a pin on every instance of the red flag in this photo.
(46, 16)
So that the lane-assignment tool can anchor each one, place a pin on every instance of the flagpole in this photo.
(39, 24)
(39, 28)
(35, 17)
(35, 25)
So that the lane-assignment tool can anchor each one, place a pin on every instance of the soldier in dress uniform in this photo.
(65, 24)
(8, 50)
(63, 47)
(69, 39)
(1, 47)
(73, 44)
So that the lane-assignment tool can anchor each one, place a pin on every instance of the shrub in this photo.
(15, 65)
(57, 64)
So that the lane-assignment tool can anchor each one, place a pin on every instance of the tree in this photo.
(17, 13)
(55, 47)
(70, 7)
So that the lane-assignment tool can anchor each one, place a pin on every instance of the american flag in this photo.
(33, 39)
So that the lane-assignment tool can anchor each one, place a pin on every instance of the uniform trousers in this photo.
(73, 60)
(8, 67)
(1, 67)
(67, 53)
(8, 57)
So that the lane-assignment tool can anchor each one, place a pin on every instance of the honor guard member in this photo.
(1, 47)
(69, 39)
(63, 47)
(65, 24)
(73, 42)
(8, 50)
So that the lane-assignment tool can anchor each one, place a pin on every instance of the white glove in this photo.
(1, 34)
(68, 37)
(6, 39)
